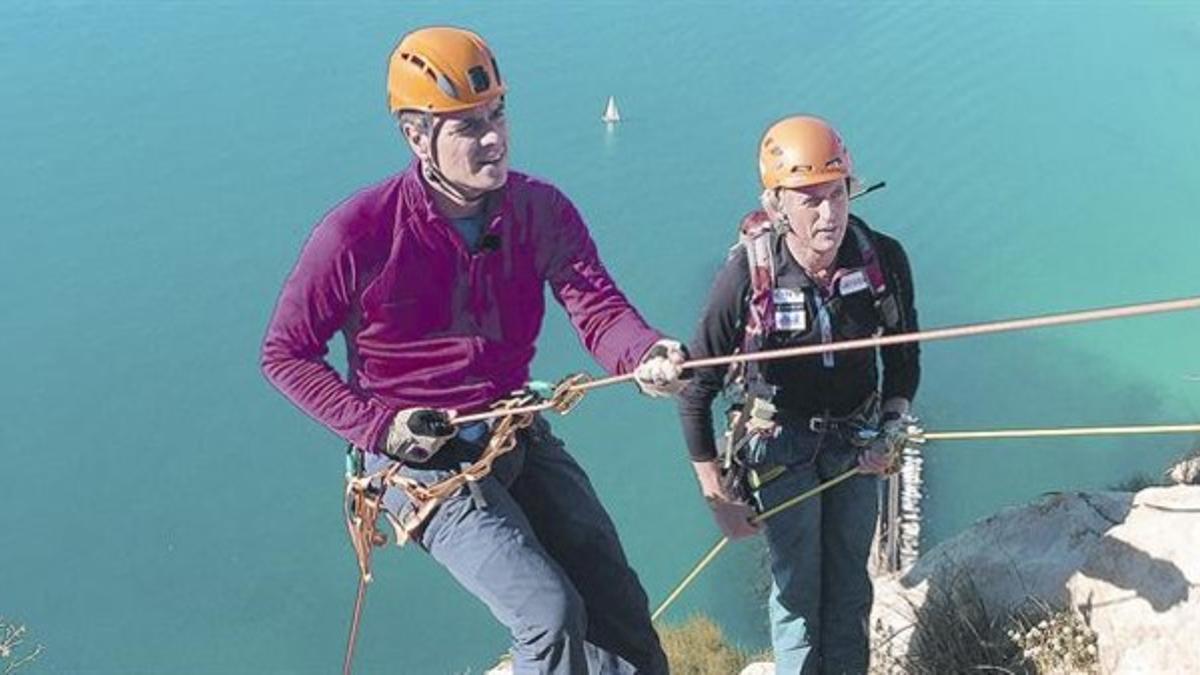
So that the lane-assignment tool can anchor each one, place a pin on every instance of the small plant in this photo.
(12, 635)
(1059, 643)
(1186, 469)
(699, 647)
(956, 632)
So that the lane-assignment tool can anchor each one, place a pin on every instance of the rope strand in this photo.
(1058, 432)
(968, 330)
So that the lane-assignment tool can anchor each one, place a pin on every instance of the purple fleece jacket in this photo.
(426, 322)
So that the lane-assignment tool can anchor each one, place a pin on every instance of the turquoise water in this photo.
(164, 510)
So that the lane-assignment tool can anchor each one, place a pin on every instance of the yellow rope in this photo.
(1125, 311)
(925, 436)
(805, 495)
(568, 392)
(1057, 432)
(712, 553)
(708, 557)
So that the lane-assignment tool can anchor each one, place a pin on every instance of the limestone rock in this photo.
(1139, 587)
(1018, 553)
(1128, 562)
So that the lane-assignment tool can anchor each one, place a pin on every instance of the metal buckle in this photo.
(567, 393)
(819, 425)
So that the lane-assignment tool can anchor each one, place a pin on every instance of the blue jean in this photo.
(543, 555)
(821, 591)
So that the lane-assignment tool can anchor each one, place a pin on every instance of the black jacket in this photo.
(805, 386)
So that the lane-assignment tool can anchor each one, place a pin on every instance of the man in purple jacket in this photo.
(435, 279)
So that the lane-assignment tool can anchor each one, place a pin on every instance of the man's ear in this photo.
(418, 140)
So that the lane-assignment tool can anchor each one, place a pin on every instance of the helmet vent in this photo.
(420, 63)
(479, 79)
(446, 86)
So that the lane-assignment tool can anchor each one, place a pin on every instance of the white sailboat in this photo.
(611, 114)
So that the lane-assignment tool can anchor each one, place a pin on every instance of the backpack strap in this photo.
(756, 237)
(885, 297)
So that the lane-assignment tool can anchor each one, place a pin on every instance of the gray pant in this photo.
(821, 591)
(543, 555)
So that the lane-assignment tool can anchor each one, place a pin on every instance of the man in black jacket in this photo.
(807, 272)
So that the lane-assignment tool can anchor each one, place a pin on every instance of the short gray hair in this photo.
(419, 119)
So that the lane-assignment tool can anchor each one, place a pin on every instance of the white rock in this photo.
(1139, 588)
(1130, 562)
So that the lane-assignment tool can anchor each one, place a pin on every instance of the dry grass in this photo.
(12, 654)
(699, 647)
(1184, 471)
(955, 632)
(1058, 643)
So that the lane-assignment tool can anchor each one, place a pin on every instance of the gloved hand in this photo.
(731, 515)
(882, 455)
(417, 433)
(659, 373)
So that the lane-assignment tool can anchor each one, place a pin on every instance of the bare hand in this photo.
(733, 518)
(731, 515)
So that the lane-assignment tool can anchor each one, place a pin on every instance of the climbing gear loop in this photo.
(365, 492)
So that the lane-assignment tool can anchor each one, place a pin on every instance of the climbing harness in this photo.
(365, 492)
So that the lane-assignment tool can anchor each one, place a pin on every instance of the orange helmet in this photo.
(800, 151)
(442, 69)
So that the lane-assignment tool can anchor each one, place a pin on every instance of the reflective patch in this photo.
(853, 283)
(790, 312)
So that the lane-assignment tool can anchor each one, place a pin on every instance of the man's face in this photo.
(818, 214)
(471, 147)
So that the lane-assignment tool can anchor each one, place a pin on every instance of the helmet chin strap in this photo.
(781, 224)
(433, 173)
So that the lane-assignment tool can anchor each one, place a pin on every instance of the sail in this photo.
(611, 113)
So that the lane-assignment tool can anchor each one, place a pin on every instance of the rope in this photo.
(922, 437)
(517, 412)
(696, 570)
(712, 553)
(969, 330)
(348, 664)
(1056, 432)
(794, 501)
